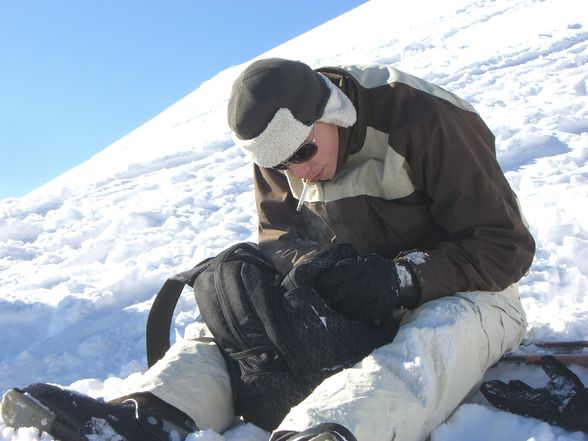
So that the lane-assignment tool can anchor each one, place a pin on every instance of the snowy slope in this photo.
(82, 256)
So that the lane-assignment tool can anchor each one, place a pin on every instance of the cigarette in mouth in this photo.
(306, 182)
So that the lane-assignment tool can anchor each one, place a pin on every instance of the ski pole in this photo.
(579, 359)
(577, 344)
(566, 351)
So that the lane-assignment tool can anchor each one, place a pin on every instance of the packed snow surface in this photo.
(82, 256)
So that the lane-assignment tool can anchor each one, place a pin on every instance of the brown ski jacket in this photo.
(417, 179)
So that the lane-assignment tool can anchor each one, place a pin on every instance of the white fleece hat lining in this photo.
(284, 134)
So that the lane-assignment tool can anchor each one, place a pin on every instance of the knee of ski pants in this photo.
(502, 318)
(192, 376)
(405, 389)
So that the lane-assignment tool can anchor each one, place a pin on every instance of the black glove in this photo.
(368, 287)
(313, 265)
(564, 401)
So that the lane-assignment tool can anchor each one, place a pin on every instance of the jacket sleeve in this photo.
(282, 234)
(452, 156)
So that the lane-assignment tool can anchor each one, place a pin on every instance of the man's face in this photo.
(323, 165)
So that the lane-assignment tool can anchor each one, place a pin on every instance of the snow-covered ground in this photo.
(82, 256)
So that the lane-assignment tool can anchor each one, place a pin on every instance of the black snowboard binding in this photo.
(320, 432)
(71, 416)
(563, 401)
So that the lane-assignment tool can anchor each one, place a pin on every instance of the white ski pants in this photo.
(400, 392)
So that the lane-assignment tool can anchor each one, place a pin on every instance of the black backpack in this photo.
(278, 343)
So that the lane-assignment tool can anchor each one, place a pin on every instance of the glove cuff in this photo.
(576, 411)
(409, 291)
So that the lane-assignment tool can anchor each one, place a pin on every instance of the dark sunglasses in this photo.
(304, 153)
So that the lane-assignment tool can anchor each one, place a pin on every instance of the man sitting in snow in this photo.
(405, 172)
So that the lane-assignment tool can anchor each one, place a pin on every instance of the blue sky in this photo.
(76, 75)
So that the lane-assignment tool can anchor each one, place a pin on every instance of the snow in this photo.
(82, 256)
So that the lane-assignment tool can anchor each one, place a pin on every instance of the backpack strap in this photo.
(162, 311)
(253, 254)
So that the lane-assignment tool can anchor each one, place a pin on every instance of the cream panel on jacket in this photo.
(376, 170)
(371, 76)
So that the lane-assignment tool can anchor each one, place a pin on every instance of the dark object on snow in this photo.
(322, 432)
(563, 402)
(279, 343)
(71, 416)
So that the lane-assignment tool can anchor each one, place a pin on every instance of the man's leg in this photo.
(403, 390)
(188, 388)
(193, 378)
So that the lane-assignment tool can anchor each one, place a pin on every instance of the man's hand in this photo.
(316, 263)
(564, 401)
(368, 287)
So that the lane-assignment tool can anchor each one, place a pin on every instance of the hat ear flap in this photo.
(281, 138)
(339, 109)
